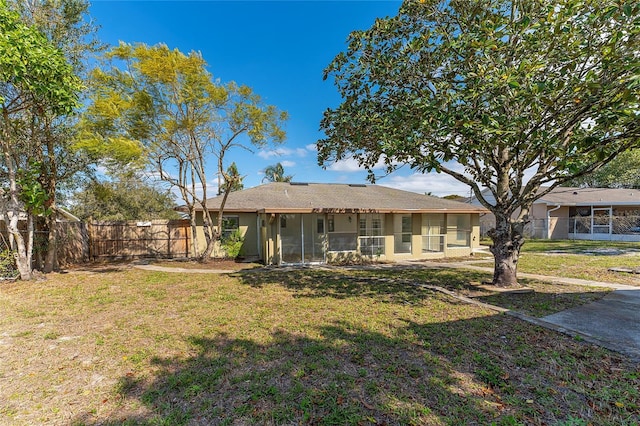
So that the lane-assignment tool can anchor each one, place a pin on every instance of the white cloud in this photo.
(350, 165)
(287, 163)
(438, 184)
(283, 152)
(212, 191)
(312, 147)
(279, 152)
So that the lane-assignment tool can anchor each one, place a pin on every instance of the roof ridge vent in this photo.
(357, 185)
(299, 183)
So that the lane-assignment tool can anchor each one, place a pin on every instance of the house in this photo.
(582, 214)
(293, 223)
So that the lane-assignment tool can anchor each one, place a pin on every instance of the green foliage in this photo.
(32, 193)
(275, 173)
(520, 94)
(8, 264)
(166, 104)
(622, 172)
(232, 244)
(33, 69)
(126, 198)
(164, 107)
(495, 86)
(233, 179)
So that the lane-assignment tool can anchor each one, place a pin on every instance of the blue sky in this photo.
(280, 49)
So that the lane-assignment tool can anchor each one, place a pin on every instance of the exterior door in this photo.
(313, 237)
(291, 238)
(302, 238)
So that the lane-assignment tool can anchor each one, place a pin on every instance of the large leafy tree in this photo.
(520, 93)
(48, 145)
(127, 196)
(622, 172)
(35, 77)
(275, 173)
(169, 105)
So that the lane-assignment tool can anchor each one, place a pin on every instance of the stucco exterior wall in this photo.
(262, 239)
(248, 228)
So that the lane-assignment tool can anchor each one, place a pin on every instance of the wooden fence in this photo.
(155, 239)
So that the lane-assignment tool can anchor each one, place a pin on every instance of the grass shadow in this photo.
(482, 370)
(597, 248)
(404, 285)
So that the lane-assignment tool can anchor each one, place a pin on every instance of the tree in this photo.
(275, 173)
(521, 93)
(622, 172)
(455, 197)
(125, 197)
(167, 104)
(234, 182)
(50, 135)
(34, 77)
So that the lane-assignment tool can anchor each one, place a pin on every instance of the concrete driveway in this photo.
(612, 322)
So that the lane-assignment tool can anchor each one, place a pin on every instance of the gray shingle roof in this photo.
(592, 196)
(319, 197)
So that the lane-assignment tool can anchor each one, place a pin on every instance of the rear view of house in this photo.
(293, 223)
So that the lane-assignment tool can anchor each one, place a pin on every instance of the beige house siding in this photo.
(248, 228)
(300, 222)
(558, 223)
(271, 243)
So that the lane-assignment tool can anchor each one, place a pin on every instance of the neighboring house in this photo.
(292, 223)
(582, 214)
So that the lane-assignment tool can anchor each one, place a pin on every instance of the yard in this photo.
(118, 345)
(589, 260)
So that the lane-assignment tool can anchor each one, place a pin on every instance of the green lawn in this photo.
(317, 347)
(577, 246)
(588, 260)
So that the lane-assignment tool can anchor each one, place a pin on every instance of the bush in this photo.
(232, 244)
(8, 268)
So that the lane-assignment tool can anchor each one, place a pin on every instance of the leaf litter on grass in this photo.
(291, 347)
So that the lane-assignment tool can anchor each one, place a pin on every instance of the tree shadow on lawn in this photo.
(394, 285)
(406, 286)
(485, 370)
(477, 367)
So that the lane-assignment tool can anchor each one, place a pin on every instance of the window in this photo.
(363, 227)
(370, 236)
(331, 224)
(320, 226)
(283, 221)
(458, 230)
(229, 225)
(433, 232)
(402, 233)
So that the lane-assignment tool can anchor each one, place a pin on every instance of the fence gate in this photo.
(130, 239)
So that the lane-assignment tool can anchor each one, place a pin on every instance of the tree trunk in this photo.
(209, 235)
(23, 260)
(11, 212)
(194, 231)
(507, 241)
(51, 176)
(215, 234)
(51, 259)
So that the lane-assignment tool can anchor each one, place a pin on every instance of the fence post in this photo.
(90, 237)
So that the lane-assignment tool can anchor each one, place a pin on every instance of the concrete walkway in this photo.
(612, 322)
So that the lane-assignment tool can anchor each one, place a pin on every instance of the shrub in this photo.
(232, 244)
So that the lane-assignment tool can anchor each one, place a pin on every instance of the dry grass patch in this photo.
(289, 347)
